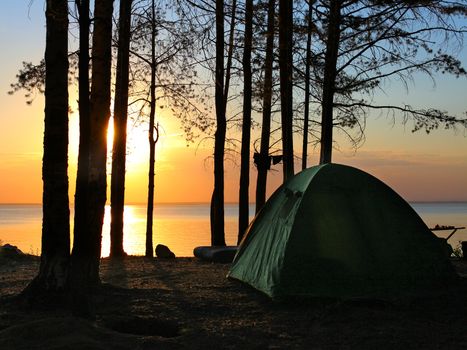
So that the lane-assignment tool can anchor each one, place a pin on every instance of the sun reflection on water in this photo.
(180, 232)
(179, 226)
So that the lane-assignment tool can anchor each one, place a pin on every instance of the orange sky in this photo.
(420, 167)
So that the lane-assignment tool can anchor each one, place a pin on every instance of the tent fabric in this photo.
(336, 231)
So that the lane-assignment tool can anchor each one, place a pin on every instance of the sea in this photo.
(183, 227)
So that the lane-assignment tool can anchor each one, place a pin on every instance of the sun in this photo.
(137, 143)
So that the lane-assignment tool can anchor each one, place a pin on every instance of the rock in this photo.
(162, 251)
(223, 255)
(10, 251)
(464, 249)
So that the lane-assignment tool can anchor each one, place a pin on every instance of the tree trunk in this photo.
(217, 201)
(330, 67)
(152, 142)
(117, 187)
(286, 76)
(82, 191)
(80, 302)
(229, 55)
(243, 218)
(263, 163)
(217, 210)
(55, 252)
(88, 221)
(306, 113)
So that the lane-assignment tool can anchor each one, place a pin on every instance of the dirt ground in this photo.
(189, 304)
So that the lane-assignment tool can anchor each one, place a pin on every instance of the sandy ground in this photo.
(189, 304)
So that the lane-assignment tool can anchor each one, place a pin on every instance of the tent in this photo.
(336, 231)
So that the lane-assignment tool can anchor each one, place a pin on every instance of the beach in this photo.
(185, 303)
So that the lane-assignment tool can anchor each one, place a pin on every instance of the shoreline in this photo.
(184, 228)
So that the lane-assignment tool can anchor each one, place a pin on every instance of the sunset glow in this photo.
(289, 173)
(419, 166)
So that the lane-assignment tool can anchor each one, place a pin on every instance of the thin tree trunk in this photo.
(229, 55)
(306, 114)
(243, 218)
(117, 187)
(263, 163)
(55, 252)
(152, 142)
(286, 76)
(332, 50)
(88, 233)
(217, 202)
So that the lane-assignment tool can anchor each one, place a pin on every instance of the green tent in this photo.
(336, 231)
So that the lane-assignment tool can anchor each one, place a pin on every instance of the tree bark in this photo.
(217, 201)
(286, 76)
(152, 143)
(262, 164)
(330, 68)
(90, 216)
(55, 251)
(117, 187)
(243, 201)
(306, 114)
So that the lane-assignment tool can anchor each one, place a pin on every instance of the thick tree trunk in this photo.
(217, 201)
(286, 76)
(117, 187)
(89, 219)
(330, 68)
(78, 290)
(306, 114)
(263, 163)
(81, 194)
(152, 143)
(53, 272)
(243, 218)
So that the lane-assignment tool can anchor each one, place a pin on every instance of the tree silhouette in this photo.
(286, 76)
(152, 140)
(55, 251)
(369, 42)
(243, 201)
(307, 77)
(262, 158)
(163, 75)
(88, 221)
(117, 187)
(217, 201)
(329, 79)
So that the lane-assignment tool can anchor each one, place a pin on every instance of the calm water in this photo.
(183, 226)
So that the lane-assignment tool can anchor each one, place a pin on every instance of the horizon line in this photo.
(229, 203)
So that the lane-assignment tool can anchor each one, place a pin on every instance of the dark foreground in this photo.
(189, 304)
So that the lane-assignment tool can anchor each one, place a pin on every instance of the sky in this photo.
(418, 166)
